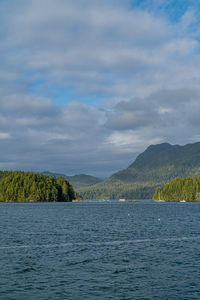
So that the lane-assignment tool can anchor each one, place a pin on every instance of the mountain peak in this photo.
(161, 146)
(152, 153)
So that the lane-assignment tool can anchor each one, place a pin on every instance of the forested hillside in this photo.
(151, 169)
(179, 189)
(16, 186)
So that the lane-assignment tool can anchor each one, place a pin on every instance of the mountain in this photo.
(155, 166)
(78, 181)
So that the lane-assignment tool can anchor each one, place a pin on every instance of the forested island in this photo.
(179, 189)
(19, 186)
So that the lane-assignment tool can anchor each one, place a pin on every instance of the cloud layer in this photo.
(141, 65)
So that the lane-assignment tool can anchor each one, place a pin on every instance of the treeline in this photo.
(17, 186)
(179, 189)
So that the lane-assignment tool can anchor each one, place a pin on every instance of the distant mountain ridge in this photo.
(78, 181)
(155, 166)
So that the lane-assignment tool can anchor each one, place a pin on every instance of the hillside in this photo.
(18, 186)
(152, 168)
(78, 181)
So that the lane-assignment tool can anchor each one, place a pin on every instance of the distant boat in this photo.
(182, 201)
(77, 200)
(159, 200)
(104, 200)
(122, 200)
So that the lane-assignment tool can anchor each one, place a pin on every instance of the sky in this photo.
(87, 85)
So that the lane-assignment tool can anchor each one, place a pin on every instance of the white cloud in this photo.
(5, 135)
(146, 67)
(89, 45)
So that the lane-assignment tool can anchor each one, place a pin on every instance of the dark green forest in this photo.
(179, 189)
(19, 186)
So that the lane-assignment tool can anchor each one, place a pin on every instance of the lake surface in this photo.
(141, 250)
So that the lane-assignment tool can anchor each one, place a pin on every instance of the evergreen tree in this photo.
(27, 186)
(179, 189)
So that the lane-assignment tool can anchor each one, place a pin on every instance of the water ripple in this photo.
(109, 243)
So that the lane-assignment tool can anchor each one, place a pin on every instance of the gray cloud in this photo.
(145, 67)
(86, 45)
(163, 109)
(167, 115)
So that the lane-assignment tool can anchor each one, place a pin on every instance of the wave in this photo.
(103, 243)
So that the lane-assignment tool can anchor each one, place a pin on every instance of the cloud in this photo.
(88, 45)
(164, 107)
(167, 115)
(42, 136)
(144, 65)
(4, 136)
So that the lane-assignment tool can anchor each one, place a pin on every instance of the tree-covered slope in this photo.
(78, 181)
(152, 168)
(19, 186)
(179, 189)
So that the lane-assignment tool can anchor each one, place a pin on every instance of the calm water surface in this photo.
(141, 250)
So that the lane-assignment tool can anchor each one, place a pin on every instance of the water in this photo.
(135, 251)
